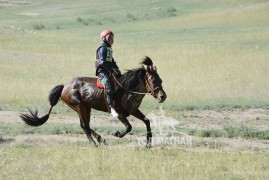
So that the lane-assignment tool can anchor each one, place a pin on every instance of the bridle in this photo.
(151, 88)
(147, 86)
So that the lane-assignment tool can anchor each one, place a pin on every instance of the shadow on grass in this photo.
(6, 140)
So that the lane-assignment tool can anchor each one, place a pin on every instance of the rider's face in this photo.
(110, 39)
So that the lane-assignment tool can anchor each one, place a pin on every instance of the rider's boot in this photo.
(110, 104)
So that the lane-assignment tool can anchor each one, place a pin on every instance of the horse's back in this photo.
(82, 90)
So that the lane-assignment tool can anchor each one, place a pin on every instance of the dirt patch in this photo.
(7, 3)
(239, 144)
(198, 143)
(210, 119)
(197, 119)
(203, 119)
(11, 30)
(29, 14)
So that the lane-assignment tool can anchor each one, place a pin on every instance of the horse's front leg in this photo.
(128, 126)
(138, 114)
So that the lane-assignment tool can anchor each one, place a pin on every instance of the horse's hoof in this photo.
(117, 134)
(148, 146)
(103, 142)
(94, 145)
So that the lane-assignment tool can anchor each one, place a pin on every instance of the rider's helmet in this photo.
(105, 33)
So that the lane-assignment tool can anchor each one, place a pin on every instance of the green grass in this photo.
(69, 161)
(246, 132)
(209, 54)
(65, 129)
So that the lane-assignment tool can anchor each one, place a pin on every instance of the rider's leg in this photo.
(106, 81)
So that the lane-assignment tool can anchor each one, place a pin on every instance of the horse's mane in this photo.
(146, 61)
(130, 79)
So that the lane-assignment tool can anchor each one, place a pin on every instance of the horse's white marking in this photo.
(146, 119)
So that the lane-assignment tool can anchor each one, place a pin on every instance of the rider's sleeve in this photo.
(114, 64)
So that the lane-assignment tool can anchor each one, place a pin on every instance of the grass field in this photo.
(213, 59)
(62, 161)
(216, 53)
(59, 149)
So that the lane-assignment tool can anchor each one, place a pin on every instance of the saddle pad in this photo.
(99, 85)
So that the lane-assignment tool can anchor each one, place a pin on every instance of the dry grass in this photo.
(67, 161)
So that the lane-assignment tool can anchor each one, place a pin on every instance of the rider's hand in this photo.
(116, 73)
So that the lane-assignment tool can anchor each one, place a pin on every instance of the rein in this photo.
(134, 92)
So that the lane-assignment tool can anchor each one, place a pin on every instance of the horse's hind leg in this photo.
(85, 115)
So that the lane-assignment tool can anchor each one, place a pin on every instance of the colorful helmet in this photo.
(104, 33)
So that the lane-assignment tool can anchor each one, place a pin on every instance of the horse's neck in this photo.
(134, 96)
(140, 88)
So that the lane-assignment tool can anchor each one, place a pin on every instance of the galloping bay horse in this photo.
(82, 94)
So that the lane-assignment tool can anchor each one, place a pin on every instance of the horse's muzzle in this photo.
(161, 96)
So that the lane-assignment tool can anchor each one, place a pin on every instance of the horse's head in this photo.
(153, 81)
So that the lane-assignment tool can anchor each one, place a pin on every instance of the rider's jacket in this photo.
(104, 59)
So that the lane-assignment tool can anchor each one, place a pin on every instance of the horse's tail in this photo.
(32, 119)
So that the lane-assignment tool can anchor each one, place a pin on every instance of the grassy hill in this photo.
(210, 54)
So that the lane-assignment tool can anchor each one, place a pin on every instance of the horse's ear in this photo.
(155, 68)
(150, 68)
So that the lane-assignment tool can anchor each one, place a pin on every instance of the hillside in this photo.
(209, 54)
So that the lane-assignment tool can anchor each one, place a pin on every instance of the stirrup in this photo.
(114, 112)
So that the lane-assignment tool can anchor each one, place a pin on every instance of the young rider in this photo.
(106, 66)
